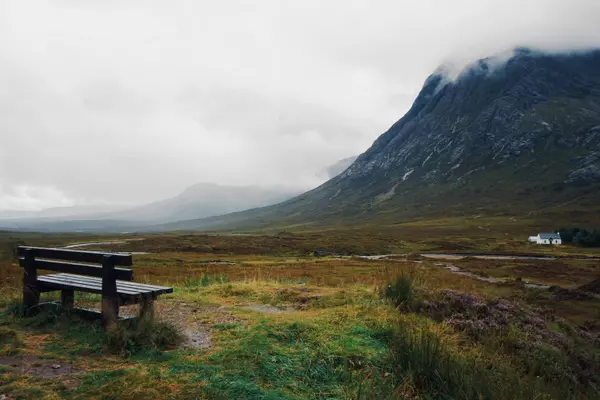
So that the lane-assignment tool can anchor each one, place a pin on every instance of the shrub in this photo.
(399, 292)
(420, 355)
(399, 287)
(16, 309)
(580, 236)
(8, 336)
(143, 334)
(204, 280)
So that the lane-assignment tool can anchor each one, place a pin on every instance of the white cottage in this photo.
(546, 238)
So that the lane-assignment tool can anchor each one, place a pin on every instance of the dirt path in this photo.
(112, 243)
(33, 365)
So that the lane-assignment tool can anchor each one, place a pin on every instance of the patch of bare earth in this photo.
(263, 308)
(42, 368)
(194, 320)
(197, 338)
(189, 318)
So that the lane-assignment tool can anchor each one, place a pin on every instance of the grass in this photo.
(288, 360)
(130, 337)
(421, 355)
(343, 328)
(143, 335)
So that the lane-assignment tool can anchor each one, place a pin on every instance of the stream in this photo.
(456, 270)
(460, 256)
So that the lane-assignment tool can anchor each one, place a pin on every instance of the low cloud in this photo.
(27, 198)
(132, 101)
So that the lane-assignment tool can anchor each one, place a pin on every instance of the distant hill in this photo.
(207, 199)
(197, 201)
(520, 137)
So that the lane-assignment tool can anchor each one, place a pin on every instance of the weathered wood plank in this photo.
(110, 297)
(94, 285)
(82, 269)
(77, 255)
(67, 298)
(121, 285)
(31, 294)
(81, 286)
(125, 299)
(147, 309)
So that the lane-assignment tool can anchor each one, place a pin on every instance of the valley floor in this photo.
(280, 323)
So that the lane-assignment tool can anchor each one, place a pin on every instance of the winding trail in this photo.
(112, 243)
(78, 245)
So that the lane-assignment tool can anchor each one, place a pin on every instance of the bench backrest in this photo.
(28, 258)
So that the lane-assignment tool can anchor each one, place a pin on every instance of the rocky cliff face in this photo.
(529, 112)
(530, 126)
(521, 135)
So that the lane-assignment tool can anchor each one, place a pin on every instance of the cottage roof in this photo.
(549, 235)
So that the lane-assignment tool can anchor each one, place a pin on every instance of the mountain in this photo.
(206, 199)
(506, 137)
(197, 201)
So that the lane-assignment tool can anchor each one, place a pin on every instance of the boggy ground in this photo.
(270, 326)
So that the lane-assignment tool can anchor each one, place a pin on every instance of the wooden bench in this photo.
(106, 279)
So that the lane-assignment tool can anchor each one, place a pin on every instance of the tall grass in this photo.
(399, 284)
(421, 359)
(143, 334)
(420, 356)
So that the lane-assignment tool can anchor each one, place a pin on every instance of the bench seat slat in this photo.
(94, 285)
(122, 287)
(80, 284)
(124, 284)
(61, 284)
(58, 285)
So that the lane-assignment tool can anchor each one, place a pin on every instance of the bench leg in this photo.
(31, 292)
(110, 298)
(110, 312)
(67, 298)
(147, 309)
(31, 295)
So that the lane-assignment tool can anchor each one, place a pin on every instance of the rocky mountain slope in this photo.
(520, 137)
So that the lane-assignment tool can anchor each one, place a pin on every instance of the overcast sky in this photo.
(131, 101)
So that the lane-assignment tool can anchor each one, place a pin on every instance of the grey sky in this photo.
(132, 101)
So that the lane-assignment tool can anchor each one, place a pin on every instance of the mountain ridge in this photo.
(522, 137)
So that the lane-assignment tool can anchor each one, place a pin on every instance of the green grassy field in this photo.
(258, 317)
